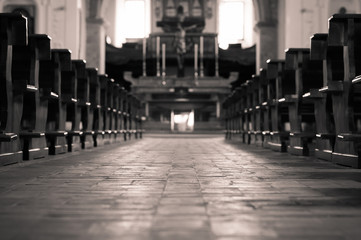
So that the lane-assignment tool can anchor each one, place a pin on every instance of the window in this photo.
(133, 20)
(235, 22)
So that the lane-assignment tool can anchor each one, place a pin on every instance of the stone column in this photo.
(147, 109)
(266, 42)
(95, 51)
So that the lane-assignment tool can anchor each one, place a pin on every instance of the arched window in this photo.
(235, 18)
(133, 20)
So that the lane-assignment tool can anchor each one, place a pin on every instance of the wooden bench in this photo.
(227, 116)
(96, 116)
(126, 115)
(303, 74)
(116, 113)
(345, 35)
(122, 115)
(69, 98)
(277, 89)
(112, 109)
(103, 83)
(50, 104)
(25, 74)
(256, 117)
(135, 117)
(84, 120)
(243, 114)
(50, 84)
(321, 98)
(248, 110)
(137, 112)
(12, 34)
(265, 118)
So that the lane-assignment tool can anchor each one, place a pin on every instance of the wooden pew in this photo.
(243, 113)
(116, 112)
(138, 119)
(231, 115)
(50, 104)
(135, 116)
(277, 89)
(96, 115)
(105, 109)
(256, 110)
(69, 99)
(119, 114)
(228, 117)
(69, 96)
(122, 114)
(13, 32)
(265, 112)
(50, 85)
(129, 115)
(25, 73)
(303, 74)
(248, 110)
(236, 115)
(126, 117)
(87, 102)
(112, 109)
(325, 130)
(345, 35)
(84, 116)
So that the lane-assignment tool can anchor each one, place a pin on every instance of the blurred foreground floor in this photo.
(179, 187)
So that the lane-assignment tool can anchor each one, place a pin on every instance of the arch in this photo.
(266, 11)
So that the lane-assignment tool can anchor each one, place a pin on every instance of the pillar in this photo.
(147, 109)
(95, 52)
(266, 42)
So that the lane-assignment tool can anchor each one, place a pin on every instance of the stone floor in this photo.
(179, 187)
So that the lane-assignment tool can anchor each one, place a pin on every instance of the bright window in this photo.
(134, 13)
(235, 17)
(133, 20)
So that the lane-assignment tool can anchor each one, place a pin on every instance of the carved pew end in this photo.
(333, 87)
(74, 146)
(279, 141)
(87, 144)
(7, 142)
(57, 142)
(8, 137)
(29, 151)
(98, 138)
(301, 143)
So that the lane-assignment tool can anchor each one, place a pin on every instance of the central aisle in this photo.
(179, 187)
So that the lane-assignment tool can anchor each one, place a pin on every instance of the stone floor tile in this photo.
(179, 187)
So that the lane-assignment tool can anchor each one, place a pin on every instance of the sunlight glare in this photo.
(231, 15)
(135, 18)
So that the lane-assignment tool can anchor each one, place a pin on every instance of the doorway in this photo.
(182, 121)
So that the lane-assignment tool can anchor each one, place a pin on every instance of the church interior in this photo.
(180, 119)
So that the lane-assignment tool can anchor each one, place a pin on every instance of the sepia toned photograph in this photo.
(180, 119)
